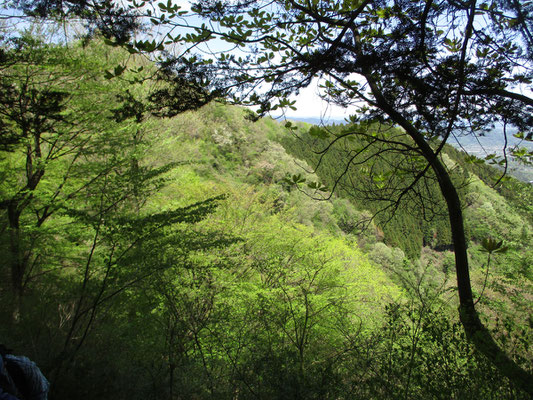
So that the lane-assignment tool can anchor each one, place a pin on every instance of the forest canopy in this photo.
(194, 241)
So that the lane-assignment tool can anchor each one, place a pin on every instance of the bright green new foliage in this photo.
(187, 257)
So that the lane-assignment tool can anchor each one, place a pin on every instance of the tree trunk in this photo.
(474, 328)
(17, 259)
(476, 332)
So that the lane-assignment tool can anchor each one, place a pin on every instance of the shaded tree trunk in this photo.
(17, 258)
(474, 328)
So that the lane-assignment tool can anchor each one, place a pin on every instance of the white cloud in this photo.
(309, 104)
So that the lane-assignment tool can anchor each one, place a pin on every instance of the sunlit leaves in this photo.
(473, 159)
(523, 154)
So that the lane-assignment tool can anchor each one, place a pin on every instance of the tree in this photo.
(75, 228)
(59, 144)
(60, 137)
(36, 128)
(436, 69)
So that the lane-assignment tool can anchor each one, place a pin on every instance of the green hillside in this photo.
(185, 258)
(417, 228)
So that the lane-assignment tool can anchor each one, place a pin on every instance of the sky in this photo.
(308, 102)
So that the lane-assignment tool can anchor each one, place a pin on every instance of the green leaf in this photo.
(491, 245)
(119, 70)
(318, 132)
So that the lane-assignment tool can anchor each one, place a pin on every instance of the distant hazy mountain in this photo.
(318, 120)
(495, 143)
(480, 146)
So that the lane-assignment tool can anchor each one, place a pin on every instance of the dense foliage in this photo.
(434, 69)
(142, 286)
(156, 255)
